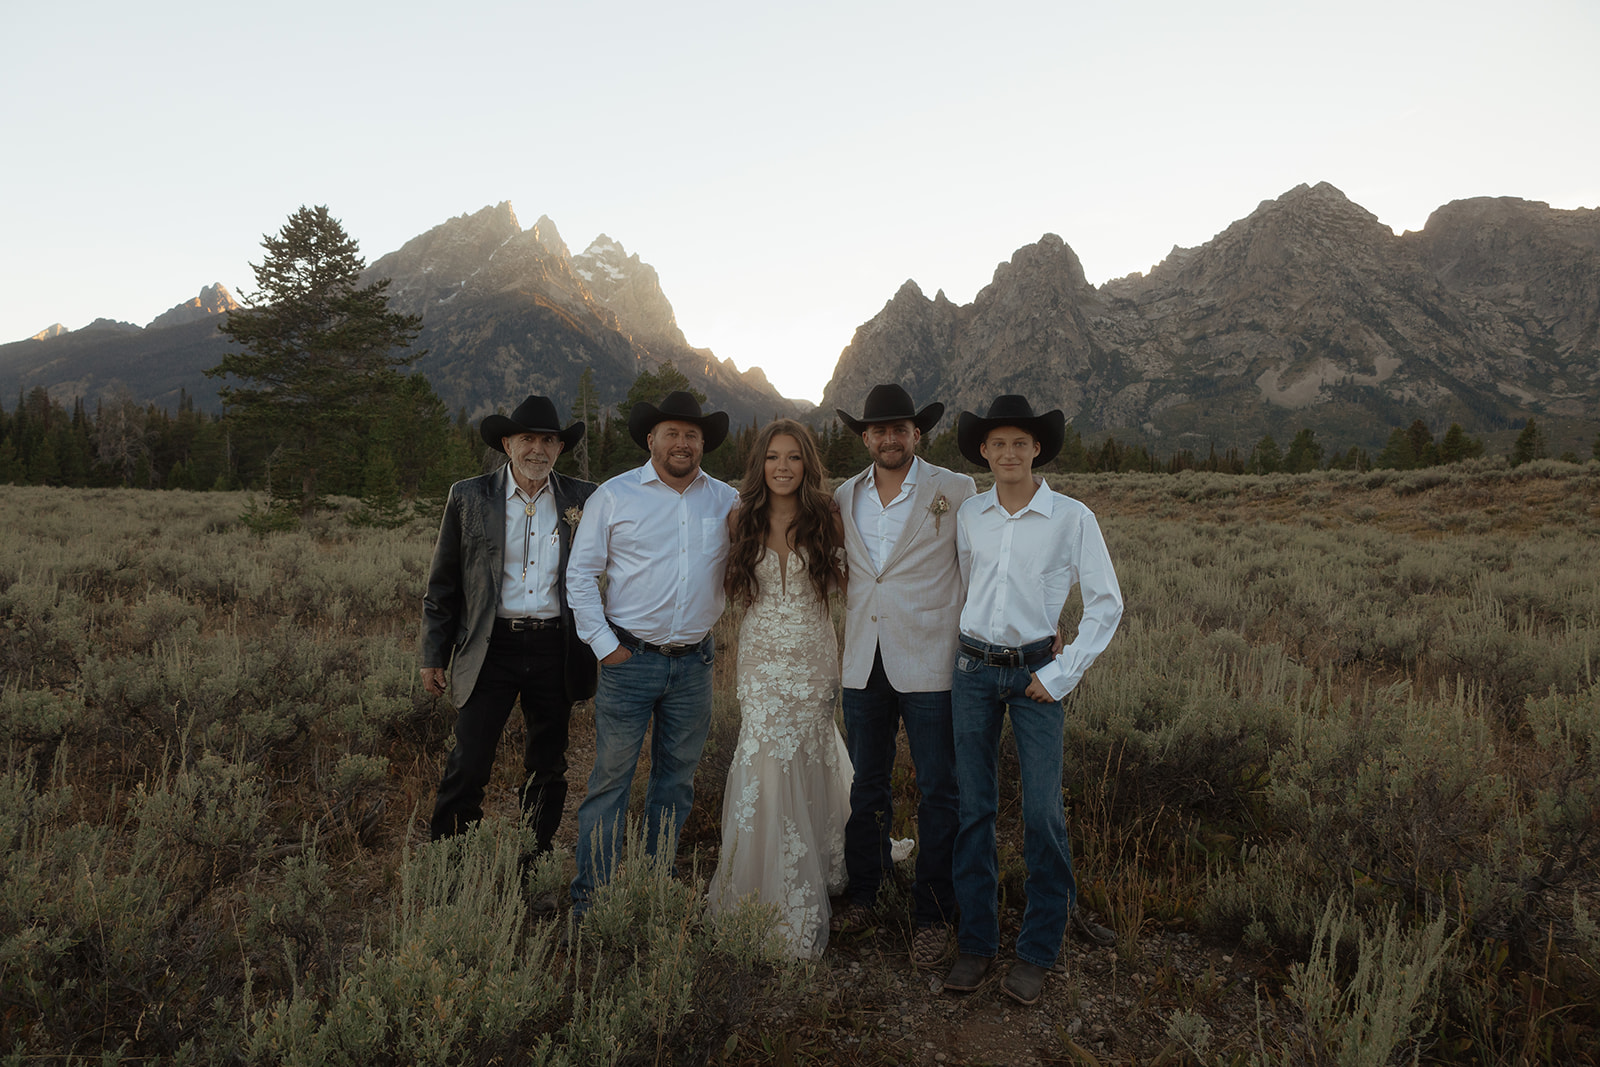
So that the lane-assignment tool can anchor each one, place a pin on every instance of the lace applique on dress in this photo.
(788, 792)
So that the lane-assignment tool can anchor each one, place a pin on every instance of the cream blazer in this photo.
(912, 608)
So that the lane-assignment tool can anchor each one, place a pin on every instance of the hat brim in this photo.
(494, 428)
(646, 416)
(924, 420)
(1049, 429)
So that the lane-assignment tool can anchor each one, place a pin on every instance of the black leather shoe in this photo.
(1024, 982)
(967, 973)
(1090, 930)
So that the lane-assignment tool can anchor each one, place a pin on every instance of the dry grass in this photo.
(1372, 689)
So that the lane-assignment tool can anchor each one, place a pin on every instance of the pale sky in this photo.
(785, 168)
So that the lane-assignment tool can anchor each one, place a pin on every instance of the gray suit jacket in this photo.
(464, 583)
(912, 608)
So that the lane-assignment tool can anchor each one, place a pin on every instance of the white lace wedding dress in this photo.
(788, 790)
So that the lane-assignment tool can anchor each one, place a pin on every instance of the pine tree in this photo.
(44, 468)
(1422, 446)
(321, 356)
(651, 386)
(1397, 454)
(1073, 457)
(1529, 445)
(843, 452)
(1305, 454)
(1266, 458)
(12, 471)
(382, 504)
(1457, 446)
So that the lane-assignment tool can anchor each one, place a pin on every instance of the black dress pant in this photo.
(526, 665)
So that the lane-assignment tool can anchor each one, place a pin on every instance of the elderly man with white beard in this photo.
(496, 616)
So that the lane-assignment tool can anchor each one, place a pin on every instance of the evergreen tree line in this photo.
(416, 451)
(121, 442)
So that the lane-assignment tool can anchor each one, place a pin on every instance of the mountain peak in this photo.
(603, 246)
(214, 299)
(630, 288)
(1049, 255)
(55, 329)
(502, 215)
(549, 237)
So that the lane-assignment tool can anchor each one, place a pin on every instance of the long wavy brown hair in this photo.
(813, 530)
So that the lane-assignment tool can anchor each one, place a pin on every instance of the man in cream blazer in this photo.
(901, 628)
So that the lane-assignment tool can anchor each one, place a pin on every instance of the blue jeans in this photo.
(872, 718)
(981, 695)
(674, 692)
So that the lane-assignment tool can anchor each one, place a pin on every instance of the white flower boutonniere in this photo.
(573, 515)
(938, 509)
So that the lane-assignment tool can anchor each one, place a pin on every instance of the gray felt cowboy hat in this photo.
(677, 407)
(1049, 429)
(890, 403)
(534, 415)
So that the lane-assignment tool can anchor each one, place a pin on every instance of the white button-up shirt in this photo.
(663, 554)
(1020, 569)
(528, 578)
(880, 524)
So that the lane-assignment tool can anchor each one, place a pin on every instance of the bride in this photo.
(788, 791)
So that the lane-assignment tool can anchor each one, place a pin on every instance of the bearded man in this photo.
(659, 536)
(903, 604)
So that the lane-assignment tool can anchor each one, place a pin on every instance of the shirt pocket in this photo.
(714, 537)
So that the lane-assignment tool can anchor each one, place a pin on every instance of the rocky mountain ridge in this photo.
(1307, 312)
(508, 311)
(214, 299)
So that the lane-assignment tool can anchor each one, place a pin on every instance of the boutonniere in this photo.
(573, 515)
(938, 509)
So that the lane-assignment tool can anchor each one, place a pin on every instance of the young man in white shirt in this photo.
(1021, 548)
(659, 534)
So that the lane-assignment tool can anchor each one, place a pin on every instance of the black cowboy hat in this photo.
(677, 407)
(890, 403)
(1049, 429)
(534, 415)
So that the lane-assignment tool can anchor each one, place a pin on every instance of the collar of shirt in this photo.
(870, 481)
(648, 474)
(515, 490)
(1042, 502)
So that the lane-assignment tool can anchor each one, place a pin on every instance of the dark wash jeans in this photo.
(872, 718)
(982, 696)
(526, 665)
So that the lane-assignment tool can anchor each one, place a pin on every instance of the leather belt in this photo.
(1029, 655)
(518, 626)
(636, 644)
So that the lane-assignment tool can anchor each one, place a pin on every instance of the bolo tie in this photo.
(528, 508)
